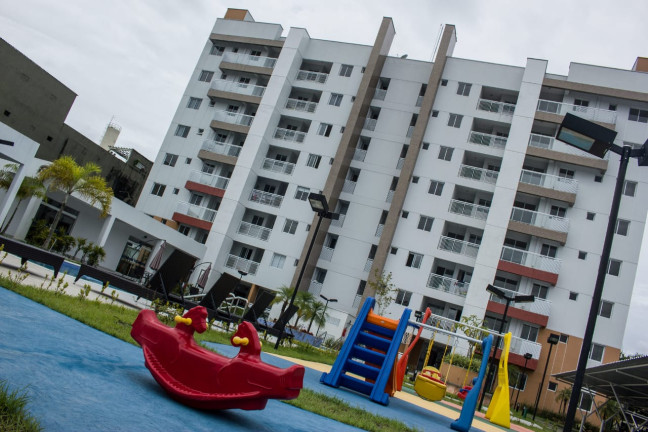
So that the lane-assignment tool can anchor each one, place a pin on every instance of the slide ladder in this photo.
(369, 354)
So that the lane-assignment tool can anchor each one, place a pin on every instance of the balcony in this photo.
(460, 247)
(245, 265)
(593, 114)
(233, 90)
(349, 186)
(370, 124)
(379, 230)
(248, 63)
(256, 231)
(478, 174)
(380, 94)
(548, 148)
(529, 264)
(221, 148)
(315, 77)
(357, 300)
(315, 288)
(410, 131)
(327, 253)
(419, 101)
(496, 107)
(338, 222)
(468, 209)
(232, 121)
(278, 166)
(289, 135)
(536, 312)
(359, 155)
(368, 264)
(194, 215)
(390, 196)
(488, 140)
(301, 105)
(539, 224)
(400, 163)
(447, 284)
(266, 198)
(548, 186)
(207, 183)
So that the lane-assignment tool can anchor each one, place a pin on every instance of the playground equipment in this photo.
(203, 379)
(498, 409)
(429, 384)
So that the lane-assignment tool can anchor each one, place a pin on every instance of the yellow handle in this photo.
(240, 341)
(182, 320)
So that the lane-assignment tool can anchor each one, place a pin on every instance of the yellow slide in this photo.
(498, 410)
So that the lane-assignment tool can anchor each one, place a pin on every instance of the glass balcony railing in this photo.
(370, 124)
(468, 209)
(410, 131)
(479, 174)
(221, 148)
(530, 259)
(256, 231)
(589, 113)
(301, 105)
(245, 265)
(278, 166)
(448, 284)
(327, 253)
(339, 221)
(317, 77)
(380, 94)
(419, 101)
(249, 60)
(496, 107)
(539, 306)
(266, 198)
(541, 220)
(289, 135)
(548, 181)
(461, 247)
(196, 211)
(208, 179)
(359, 155)
(488, 140)
(233, 118)
(237, 87)
(368, 264)
(379, 230)
(390, 196)
(349, 186)
(315, 288)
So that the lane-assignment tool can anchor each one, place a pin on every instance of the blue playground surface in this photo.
(80, 379)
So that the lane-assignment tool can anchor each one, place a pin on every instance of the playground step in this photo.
(373, 341)
(382, 331)
(362, 369)
(368, 355)
(356, 384)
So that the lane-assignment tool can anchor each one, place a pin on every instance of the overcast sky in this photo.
(131, 59)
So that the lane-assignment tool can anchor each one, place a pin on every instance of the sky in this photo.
(130, 60)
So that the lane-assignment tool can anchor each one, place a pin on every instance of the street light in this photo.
(552, 340)
(527, 357)
(596, 140)
(491, 367)
(332, 300)
(320, 206)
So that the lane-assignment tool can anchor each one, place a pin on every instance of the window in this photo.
(405, 214)
(200, 132)
(414, 260)
(435, 113)
(606, 309)
(184, 229)
(415, 179)
(170, 159)
(598, 179)
(548, 251)
(324, 129)
(319, 275)
(290, 226)
(590, 215)
(445, 153)
(519, 383)
(553, 386)
(506, 283)
(194, 103)
(463, 89)
(612, 107)
(335, 99)
(255, 53)
(622, 227)
(564, 338)
(217, 50)
(278, 260)
(455, 120)
(158, 189)
(582, 255)
(539, 291)
(187, 161)
(573, 295)
(614, 267)
(629, 188)
(565, 173)
(425, 223)
(313, 160)
(234, 50)
(436, 187)
(206, 76)
(426, 145)
(638, 115)
(585, 402)
(558, 211)
(580, 104)
(529, 333)
(345, 70)
(403, 297)
(175, 191)
(182, 131)
(596, 352)
(444, 82)
(302, 193)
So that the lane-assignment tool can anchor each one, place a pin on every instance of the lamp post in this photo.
(552, 340)
(527, 357)
(332, 300)
(508, 299)
(320, 206)
(242, 274)
(596, 140)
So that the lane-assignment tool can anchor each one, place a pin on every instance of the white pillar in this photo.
(105, 230)
(10, 196)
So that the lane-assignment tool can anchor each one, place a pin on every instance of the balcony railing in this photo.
(390, 196)
(539, 306)
(496, 107)
(356, 301)
(196, 211)
(300, 105)
(359, 154)
(549, 143)
(368, 264)
(461, 247)
(380, 94)
(289, 135)
(327, 253)
(318, 77)
(379, 230)
(596, 114)
(530, 259)
(238, 263)
(233, 118)
(237, 87)
(488, 139)
(339, 221)
(315, 288)
(448, 284)
(479, 174)
(370, 124)
(468, 209)
(349, 186)
(278, 166)
(419, 101)
(221, 148)
(209, 179)
(249, 60)
(256, 231)
(400, 163)
(266, 198)
(561, 184)
(542, 220)
(410, 131)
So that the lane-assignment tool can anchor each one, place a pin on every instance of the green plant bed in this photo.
(14, 416)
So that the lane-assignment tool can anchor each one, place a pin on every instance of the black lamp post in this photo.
(242, 274)
(552, 340)
(332, 300)
(320, 206)
(527, 357)
(596, 140)
(508, 299)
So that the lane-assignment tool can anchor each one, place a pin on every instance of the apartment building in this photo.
(445, 174)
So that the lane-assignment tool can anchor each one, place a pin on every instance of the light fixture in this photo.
(318, 203)
(585, 135)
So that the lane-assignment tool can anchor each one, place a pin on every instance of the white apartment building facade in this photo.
(445, 174)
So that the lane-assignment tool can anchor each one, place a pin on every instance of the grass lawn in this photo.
(14, 416)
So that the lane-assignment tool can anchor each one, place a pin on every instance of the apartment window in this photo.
(565, 173)
(590, 216)
(217, 50)
(200, 132)
(158, 189)
(553, 386)
(612, 107)
(605, 310)
(415, 179)
(175, 191)
(596, 352)
(585, 402)
(435, 113)
(403, 297)
(548, 251)
(319, 275)
(313, 160)
(290, 226)
(463, 89)
(564, 338)
(425, 223)
(170, 159)
(393, 250)
(598, 179)
(335, 99)
(278, 260)
(622, 227)
(558, 211)
(220, 137)
(638, 115)
(539, 291)
(255, 53)
(345, 70)
(580, 104)
(455, 120)
(529, 333)
(235, 50)
(444, 82)
(573, 295)
(324, 129)
(414, 260)
(614, 267)
(194, 103)
(182, 131)
(302, 193)
(519, 383)
(629, 188)
(206, 76)
(405, 214)
(582, 255)
(187, 161)
(445, 153)
(436, 187)
(184, 230)
(426, 145)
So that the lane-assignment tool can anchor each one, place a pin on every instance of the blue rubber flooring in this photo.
(80, 379)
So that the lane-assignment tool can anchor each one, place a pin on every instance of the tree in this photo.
(80, 243)
(384, 290)
(30, 187)
(284, 295)
(316, 314)
(472, 327)
(96, 254)
(563, 397)
(303, 301)
(66, 176)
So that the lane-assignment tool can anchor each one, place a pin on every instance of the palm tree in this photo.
(66, 176)
(80, 243)
(316, 314)
(284, 295)
(29, 187)
(563, 397)
(303, 301)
